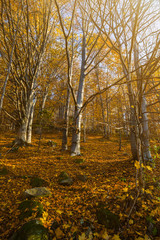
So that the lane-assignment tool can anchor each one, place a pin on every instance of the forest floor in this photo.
(109, 178)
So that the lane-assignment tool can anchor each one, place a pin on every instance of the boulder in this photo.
(50, 143)
(38, 182)
(29, 207)
(64, 179)
(82, 177)
(4, 171)
(79, 160)
(37, 192)
(107, 218)
(32, 230)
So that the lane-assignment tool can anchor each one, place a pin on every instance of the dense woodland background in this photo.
(74, 73)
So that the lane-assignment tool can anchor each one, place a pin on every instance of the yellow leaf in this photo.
(137, 165)
(125, 189)
(47, 203)
(59, 211)
(148, 191)
(132, 106)
(59, 233)
(116, 237)
(146, 237)
(149, 168)
(130, 221)
(82, 236)
(105, 235)
(74, 229)
(66, 225)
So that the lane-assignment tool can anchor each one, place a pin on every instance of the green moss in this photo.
(3, 171)
(107, 218)
(79, 160)
(32, 230)
(63, 176)
(29, 207)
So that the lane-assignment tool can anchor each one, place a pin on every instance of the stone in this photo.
(50, 143)
(4, 171)
(38, 182)
(79, 160)
(37, 192)
(64, 179)
(32, 230)
(82, 178)
(29, 207)
(107, 218)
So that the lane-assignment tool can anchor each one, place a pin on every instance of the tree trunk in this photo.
(30, 122)
(75, 148)
(145, 136)
(65, 128)
(102, 106)
(22, 134)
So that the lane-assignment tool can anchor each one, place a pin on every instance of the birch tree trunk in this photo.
(75, 147)
(30, 122)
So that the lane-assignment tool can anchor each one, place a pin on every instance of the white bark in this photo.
(30, 122)
(75, 148)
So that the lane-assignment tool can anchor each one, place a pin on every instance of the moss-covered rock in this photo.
(64, 179)
(38, 182)
(32, 230)
(107, 218)
(4, 171)
(79, 160)
(51, 143)
(28, 208)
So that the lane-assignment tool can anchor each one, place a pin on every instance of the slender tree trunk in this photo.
(30, 122)
(142, 101)
(75, 147)
(145, 136)
(102, 106)
(84, 127)
(66, 123)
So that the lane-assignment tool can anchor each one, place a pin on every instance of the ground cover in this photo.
(101, 175)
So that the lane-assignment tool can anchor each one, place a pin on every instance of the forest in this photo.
(79, 119)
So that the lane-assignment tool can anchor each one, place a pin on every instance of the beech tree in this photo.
(124, 23)
(29, 48)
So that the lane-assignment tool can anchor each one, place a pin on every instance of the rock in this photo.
(107, 218)
(37, 192)
(29, 207)
(38, 182)
(64, 179)
(79, 160)
(83, 166)
(50, 143)
(4, 171)
(32, 230)
(82, 178)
